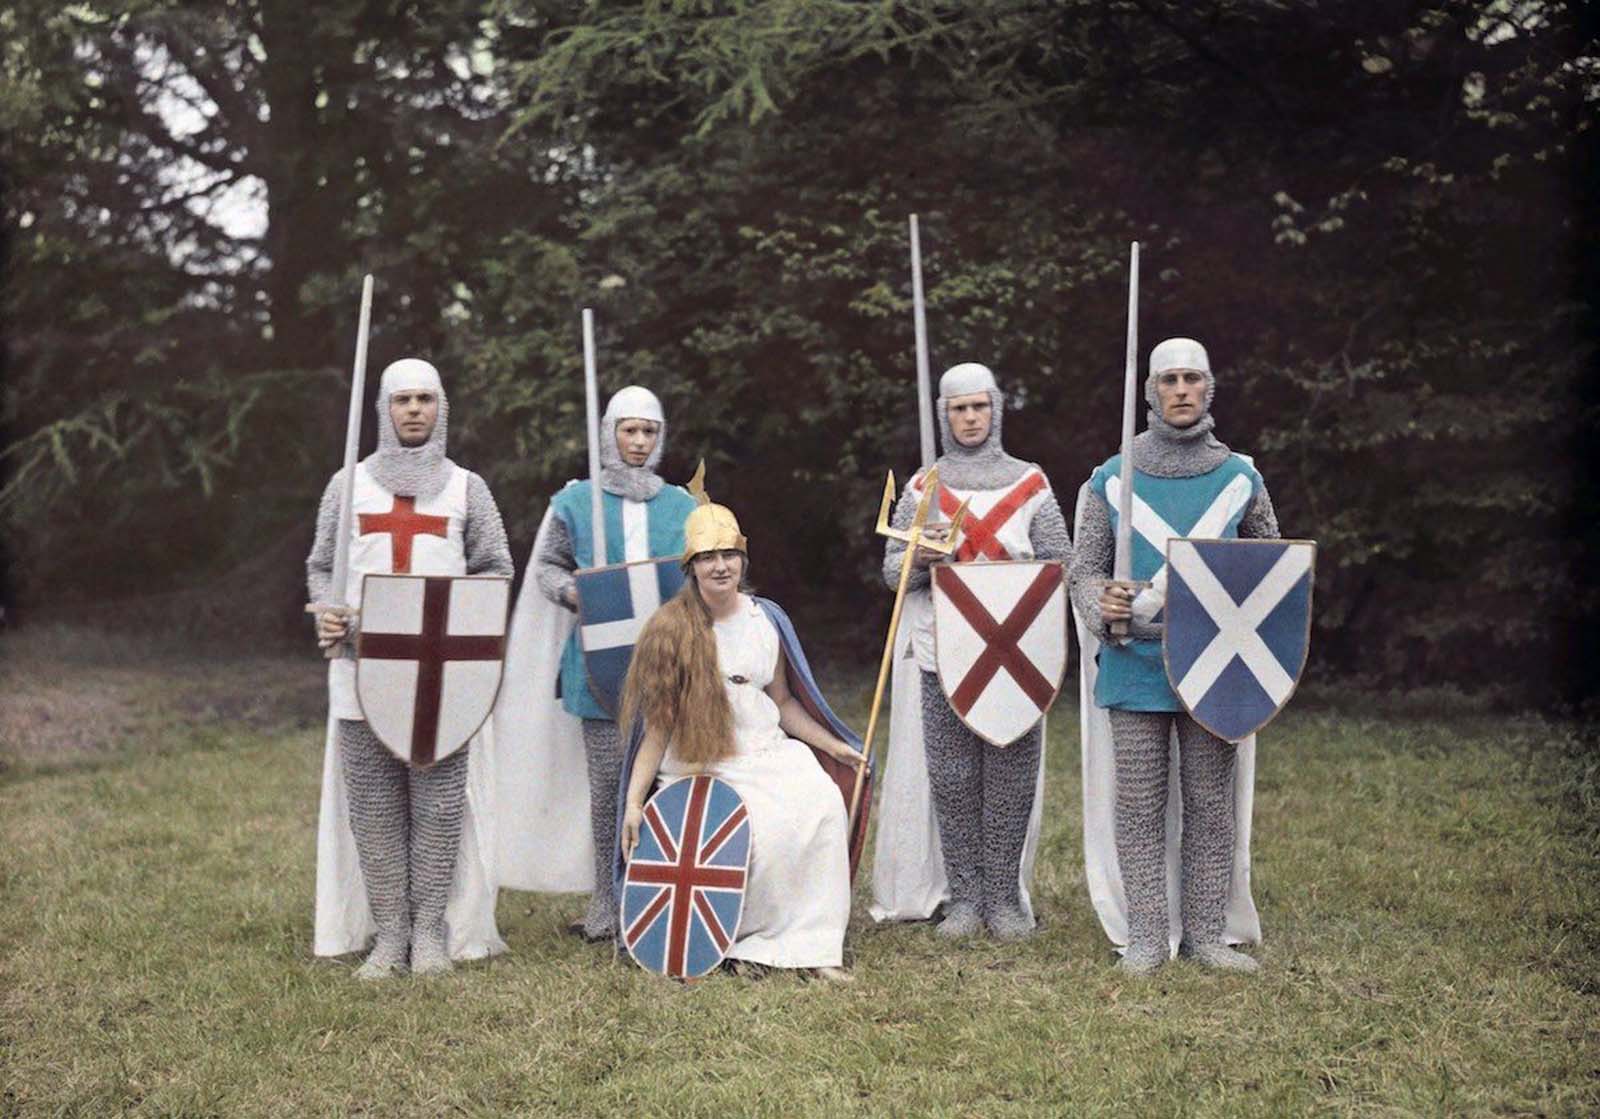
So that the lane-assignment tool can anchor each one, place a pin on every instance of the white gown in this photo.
(797, 898)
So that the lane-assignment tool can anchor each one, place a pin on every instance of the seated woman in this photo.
(711, 682)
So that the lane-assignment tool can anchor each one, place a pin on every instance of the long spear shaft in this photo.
(883, 678)
(1122, 564)
(591, 392)
(919, 313)
(912, 538)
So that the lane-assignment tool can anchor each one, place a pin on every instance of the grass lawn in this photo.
(1429, 888)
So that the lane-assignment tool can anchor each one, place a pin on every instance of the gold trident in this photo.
(913, 540)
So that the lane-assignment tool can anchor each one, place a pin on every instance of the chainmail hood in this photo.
(986, 466)
(637, 483)
(1178, 452)
(410, 471)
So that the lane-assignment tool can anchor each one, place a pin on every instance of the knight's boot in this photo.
(438, 806)
(1141, 743)
(955, 781)
(602, 746)
(1010, 777)
(375, 783)
(1205, 773)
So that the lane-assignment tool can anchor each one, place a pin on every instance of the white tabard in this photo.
(343, 921)
(908, 880)
(392, 535)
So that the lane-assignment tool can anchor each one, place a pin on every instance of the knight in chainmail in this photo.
(983, 795)
(1196, 485)
(415, 511)
(644, 520)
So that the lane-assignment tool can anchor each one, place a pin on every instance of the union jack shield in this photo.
(1238, 628)
(683, 891)
(614, 602)
(1000, 642)
(429, 657)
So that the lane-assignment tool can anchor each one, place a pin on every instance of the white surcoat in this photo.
(397, 535)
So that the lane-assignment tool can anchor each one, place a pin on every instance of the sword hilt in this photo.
(317, 609)
(1123, 626)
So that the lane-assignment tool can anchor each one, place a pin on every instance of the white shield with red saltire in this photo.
(429, 656)
(683, 891)
(1238, 628)
(1000, 640)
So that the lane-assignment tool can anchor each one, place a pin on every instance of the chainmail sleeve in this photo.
(1260, 520)
(488, 551)
(905, 511)
(1047, 532)
(319, 563)
(1092, 558)
(554, 561)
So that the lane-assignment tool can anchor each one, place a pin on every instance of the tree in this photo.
(194, 191)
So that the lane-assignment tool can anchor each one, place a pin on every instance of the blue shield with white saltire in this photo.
(1238, 627)
(683, 889)
(613, 605)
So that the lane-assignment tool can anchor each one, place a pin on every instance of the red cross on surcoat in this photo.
(980, 535)
(431, 649)
(686, 872)
(403, 523)
(1000, 638)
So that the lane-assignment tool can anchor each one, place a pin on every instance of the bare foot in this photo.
(833, 975)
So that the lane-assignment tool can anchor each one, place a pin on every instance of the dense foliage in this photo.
(1377, 216)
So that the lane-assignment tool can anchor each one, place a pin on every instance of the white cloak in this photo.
(545, 842)
(1241, 923)
(908, 880)
(343, 921)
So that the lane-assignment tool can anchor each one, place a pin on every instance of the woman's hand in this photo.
(841, 750)
(632, 820)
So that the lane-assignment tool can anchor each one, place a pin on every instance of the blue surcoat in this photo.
(1133, 676)
(664, 517)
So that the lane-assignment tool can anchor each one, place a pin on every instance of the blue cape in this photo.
(804, 687)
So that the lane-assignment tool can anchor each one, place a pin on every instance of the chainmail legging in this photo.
(982, 798)
(602, 746)
(407, 827)
(1205, 776)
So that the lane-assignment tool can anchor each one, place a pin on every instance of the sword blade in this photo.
(919, 315)
(1122, 565)
(352, 449)
(591, 393)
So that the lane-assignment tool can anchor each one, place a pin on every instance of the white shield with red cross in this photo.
(1000, 640)
(429, 656)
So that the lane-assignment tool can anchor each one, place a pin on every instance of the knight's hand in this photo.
(924, 556)
(333, 626)
(1116, 602)
(632, 820)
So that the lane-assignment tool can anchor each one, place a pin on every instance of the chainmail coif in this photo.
(410, 471)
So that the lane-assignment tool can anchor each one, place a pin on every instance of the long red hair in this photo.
(675, 682)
